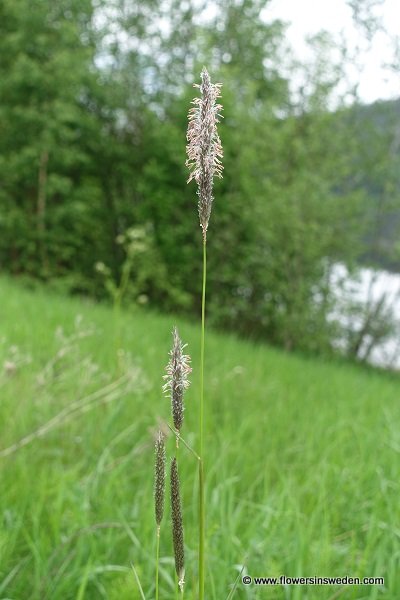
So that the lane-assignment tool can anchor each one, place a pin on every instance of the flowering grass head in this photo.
(177, 382)
(204, 149)
(177, 524)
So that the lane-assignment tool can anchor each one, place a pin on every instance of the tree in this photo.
(45, 62)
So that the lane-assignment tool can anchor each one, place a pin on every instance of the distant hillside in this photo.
(378, 129)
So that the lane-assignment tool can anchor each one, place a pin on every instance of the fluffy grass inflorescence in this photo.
(204, 149)
(177, 524)
(177, 382)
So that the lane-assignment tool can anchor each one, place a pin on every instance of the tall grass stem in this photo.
(203, 319)
(157, 559)
(201, 432)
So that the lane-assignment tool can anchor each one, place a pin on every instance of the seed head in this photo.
(204, 149)
(176, 378)
(177, 525)
(159, 478)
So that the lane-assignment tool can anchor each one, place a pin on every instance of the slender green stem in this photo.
(176, 433)
(117, 327)
(177, 590)
(118, 296)
(157, 558)
(201, 434)
(203, 320)
(201, 530)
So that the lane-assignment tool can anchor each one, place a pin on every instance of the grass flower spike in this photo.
(177, 524)
(204, 149)
(159, 478)
(159, 494)
(177, 382)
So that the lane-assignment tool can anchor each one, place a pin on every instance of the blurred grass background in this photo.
(302, 459)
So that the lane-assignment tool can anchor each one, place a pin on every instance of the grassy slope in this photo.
(302, 456)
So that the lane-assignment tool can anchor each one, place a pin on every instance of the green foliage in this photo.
(93, 119)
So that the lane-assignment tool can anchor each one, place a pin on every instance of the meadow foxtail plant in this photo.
(178, 369)
(204, 154)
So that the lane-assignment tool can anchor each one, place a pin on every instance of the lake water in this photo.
(368, 288)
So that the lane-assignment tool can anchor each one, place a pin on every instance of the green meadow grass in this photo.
(302, 460)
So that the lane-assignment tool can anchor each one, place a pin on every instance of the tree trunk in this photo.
(41, 210)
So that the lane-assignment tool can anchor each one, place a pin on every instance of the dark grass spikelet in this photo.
(204, 149)
(177, 381)
(159, 478)
(177, 524)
